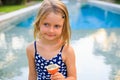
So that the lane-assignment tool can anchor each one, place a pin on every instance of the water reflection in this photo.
(105, 41)
(9, 58)
(97, 50)
(18, 42)
(88, 64)
(2, 41)
(107, 45)
(98, 54)
(12, 52)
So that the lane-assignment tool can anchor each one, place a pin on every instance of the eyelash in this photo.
(56, 26)
(46, 24)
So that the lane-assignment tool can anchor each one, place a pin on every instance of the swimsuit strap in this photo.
(61, 48)
(35, 46)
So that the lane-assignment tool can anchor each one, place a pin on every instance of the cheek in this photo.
(60, 31)
(42, 29)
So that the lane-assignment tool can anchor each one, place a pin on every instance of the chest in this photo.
(47, 52)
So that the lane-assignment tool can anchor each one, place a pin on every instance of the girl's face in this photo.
(51, 27)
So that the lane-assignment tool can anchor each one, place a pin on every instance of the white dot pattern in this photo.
(41, 64)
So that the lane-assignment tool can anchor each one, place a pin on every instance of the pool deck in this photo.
(9, 18)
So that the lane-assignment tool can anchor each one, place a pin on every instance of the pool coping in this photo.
(9, 18)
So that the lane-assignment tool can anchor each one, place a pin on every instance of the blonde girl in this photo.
(51, 46)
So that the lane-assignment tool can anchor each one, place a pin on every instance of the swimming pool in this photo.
(95, 38)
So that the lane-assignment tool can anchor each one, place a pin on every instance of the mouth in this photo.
(50, 35)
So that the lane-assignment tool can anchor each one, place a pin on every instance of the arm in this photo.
(30, 56)
(71, 63)
(69, 58)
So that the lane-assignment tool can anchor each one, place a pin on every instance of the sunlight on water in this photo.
(97, 48)
(87, 63)
(2, 40)
(105, 42)
(7, 60)
(92, 64)
(94, 55)
(24, 75)
(18, 42)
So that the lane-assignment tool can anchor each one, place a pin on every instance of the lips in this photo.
(51, 35)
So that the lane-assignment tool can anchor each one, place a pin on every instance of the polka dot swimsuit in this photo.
(41, 63)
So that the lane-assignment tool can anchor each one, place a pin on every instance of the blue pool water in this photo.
(95, 39)
(91, 17)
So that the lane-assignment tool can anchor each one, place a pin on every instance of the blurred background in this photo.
(95, 37)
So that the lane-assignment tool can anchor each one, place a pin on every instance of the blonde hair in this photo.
(55, 6)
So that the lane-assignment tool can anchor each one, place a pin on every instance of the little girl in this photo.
(52, 33)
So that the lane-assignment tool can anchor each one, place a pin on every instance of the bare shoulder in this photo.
(30, 48)
(68, 51)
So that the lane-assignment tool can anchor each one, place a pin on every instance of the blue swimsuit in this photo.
(41, 63)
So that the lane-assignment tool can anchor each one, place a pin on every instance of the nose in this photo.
(51, 29)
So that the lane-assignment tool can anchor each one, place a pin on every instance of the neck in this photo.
(51, 43)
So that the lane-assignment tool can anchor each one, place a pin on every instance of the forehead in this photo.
(54, 18)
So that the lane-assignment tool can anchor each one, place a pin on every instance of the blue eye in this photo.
(57, 26)
(46, 24)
